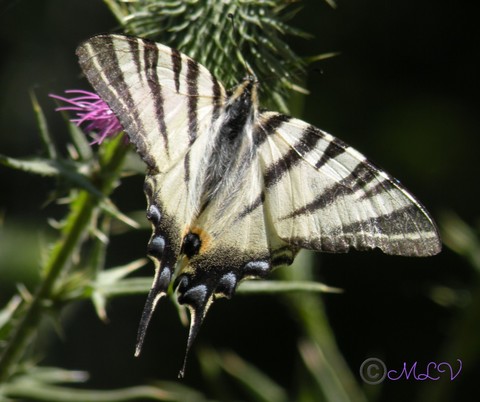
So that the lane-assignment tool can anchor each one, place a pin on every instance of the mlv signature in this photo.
(433, 371)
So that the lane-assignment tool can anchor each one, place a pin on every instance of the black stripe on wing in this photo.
(308, 140)
(192, 88)
(254, 205)
(268, 126)
(265, 127)
(217, 98)
(113, 89)
(135, 51)
(151, 63)
(334, 149)
(192, 85)
(357, 180)
(177, 67)
(406, 231)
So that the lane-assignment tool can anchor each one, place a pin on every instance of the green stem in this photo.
(334, 378)
(119, 10)
(23, 333)
(77, 224)
(60, 394)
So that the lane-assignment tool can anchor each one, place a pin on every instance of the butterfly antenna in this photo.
(158, 290)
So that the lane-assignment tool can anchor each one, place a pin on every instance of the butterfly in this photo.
(233, 191)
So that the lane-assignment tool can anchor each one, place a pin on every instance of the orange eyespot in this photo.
(196, 241)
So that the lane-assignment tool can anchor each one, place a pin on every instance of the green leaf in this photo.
(308, 310)
(111, 209)
(84, 151)
(109, 284)
(261, 387)
(325, 373)
(82, 146)
(8, 311)
(45, 167)
(43, 127)
(127, 287)
(260, 286)
(38, 384)
(460, 237)
(321, 57)
(111, 276)
(331, 3)
(52, 375)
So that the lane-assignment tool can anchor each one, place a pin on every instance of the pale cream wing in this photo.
(163, 99)
(324, 195)
(169, 105)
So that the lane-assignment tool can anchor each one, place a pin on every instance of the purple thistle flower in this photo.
(93, 111)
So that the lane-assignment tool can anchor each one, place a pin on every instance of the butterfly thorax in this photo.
(240, 109)
(233, 146)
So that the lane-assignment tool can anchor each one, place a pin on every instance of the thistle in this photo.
(92, 112)
(252, 39)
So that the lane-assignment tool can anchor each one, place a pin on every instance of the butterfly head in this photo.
(245, 93)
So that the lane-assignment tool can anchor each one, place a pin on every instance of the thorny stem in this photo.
(77, 224)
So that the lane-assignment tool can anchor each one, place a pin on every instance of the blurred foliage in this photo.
(463, 338)
(414, 106)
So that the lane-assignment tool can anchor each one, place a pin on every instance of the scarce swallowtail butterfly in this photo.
(233, 191)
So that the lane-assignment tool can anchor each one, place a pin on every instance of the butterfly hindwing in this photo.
(225, 243)
(326, 196)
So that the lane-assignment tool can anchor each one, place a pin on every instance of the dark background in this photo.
(404, 91)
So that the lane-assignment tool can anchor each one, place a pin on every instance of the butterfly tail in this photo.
(196, 319)
(198, 298)
(159, 289)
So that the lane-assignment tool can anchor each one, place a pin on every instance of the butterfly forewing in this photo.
(163, 99)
